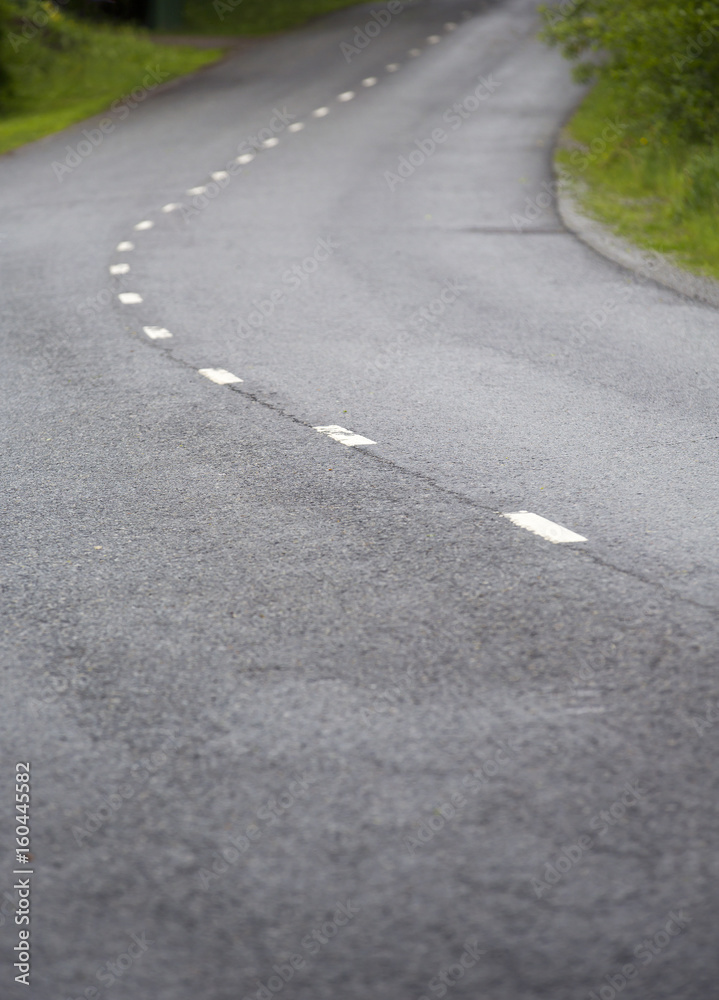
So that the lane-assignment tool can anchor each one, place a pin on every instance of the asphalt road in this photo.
(316, 720)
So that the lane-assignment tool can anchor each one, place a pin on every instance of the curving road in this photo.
(307, 715)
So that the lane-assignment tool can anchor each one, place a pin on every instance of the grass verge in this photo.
(67, 71)
(661, 194)
(253, 17)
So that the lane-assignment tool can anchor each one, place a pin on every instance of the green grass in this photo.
(660, 194)
(253, 17)
(70, 71)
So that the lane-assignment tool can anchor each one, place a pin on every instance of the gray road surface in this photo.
(291, 701)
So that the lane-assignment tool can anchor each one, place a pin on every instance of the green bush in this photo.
(662, 57)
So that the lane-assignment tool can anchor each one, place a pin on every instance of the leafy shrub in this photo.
(662, 57)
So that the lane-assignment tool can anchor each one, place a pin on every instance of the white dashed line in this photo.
(129, 298)
(219, 375)
(450, 26)
(246, 157)
(271, 143)
(320, 112)
(541, 526)
(296, 127)
(344, 436)
(125, 245)
(145, 224)
(369, 81)
(220, 175)
(119, 268)
(415, 52)
(433, 39)
(156, 332)
(392, 67)
(171, 206)
(346, 96)
(200, 189)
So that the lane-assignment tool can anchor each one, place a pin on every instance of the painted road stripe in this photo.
(433, 39)
(344, 436)
(246, 157)
(171, 206)
(392, 67)
(156, 332)
(119, 268)
(219, 375)
(270, 143)
(369, 81)
(541, 526)
(220, 175)
(450, 26)
(145, 224)
(415, 52)
(296, 127)
(200, 189)
(129, 298)
(320, 112)
(125, 245)
(347, 95)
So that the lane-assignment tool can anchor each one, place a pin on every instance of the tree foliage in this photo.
(662, 56)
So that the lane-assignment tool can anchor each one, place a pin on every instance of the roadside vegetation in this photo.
(253, 17)
(655, 66)
(56, 69)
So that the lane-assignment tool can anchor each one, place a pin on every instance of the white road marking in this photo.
(269, 143)
(246, 157)
(296, 127)
(171, 206)
(346, 96)
(369, 81)
(320, 112)
(392, 67)
(415, 52)
(433, 39)
(219, 375)
(156, 332)
(220, 175)
(145, 224)
(125, 245)
(450, 26)
(541, 526)
(344, 436)
(200, 189)
(129, 298)
(119, 268)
